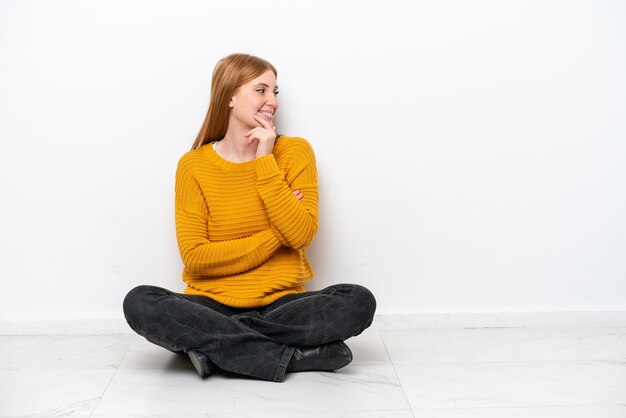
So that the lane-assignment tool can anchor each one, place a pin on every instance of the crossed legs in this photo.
(258, 343)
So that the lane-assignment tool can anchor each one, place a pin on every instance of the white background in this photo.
(471, 154)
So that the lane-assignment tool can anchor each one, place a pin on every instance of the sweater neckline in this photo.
(215, 158)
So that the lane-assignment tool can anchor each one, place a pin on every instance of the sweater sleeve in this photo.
(213, 258)
(295, 221)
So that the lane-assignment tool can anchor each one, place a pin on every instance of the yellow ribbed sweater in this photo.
(241, 232)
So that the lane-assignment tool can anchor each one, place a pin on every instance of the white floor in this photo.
(478, 373)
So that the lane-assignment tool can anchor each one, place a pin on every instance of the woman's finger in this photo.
(259, 132)
(263, 122)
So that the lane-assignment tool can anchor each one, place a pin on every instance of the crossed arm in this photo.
(291, 208)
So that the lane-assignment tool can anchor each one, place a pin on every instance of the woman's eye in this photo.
(276, 92)
(261, 90)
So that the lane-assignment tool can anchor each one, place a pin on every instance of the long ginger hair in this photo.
(229, 74)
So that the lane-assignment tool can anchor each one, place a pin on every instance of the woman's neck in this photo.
(234, 147)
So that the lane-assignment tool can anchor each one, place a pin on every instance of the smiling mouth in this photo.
(266, 114)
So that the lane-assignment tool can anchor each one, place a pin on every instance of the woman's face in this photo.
(258, 97)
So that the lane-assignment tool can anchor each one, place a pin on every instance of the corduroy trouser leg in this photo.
(257, 343)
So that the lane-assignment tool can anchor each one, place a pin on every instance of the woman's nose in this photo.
(271, 99)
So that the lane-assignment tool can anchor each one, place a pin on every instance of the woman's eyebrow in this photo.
(266, 85)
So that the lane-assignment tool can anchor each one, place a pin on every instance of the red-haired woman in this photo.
(246, 209)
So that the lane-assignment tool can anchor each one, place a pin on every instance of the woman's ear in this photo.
(232, 102)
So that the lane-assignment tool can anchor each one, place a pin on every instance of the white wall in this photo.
(471, 153)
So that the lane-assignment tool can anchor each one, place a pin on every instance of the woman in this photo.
(246, 209)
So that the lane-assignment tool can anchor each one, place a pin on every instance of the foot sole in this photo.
(201, 363)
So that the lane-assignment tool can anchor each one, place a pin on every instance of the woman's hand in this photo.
(265, 135)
